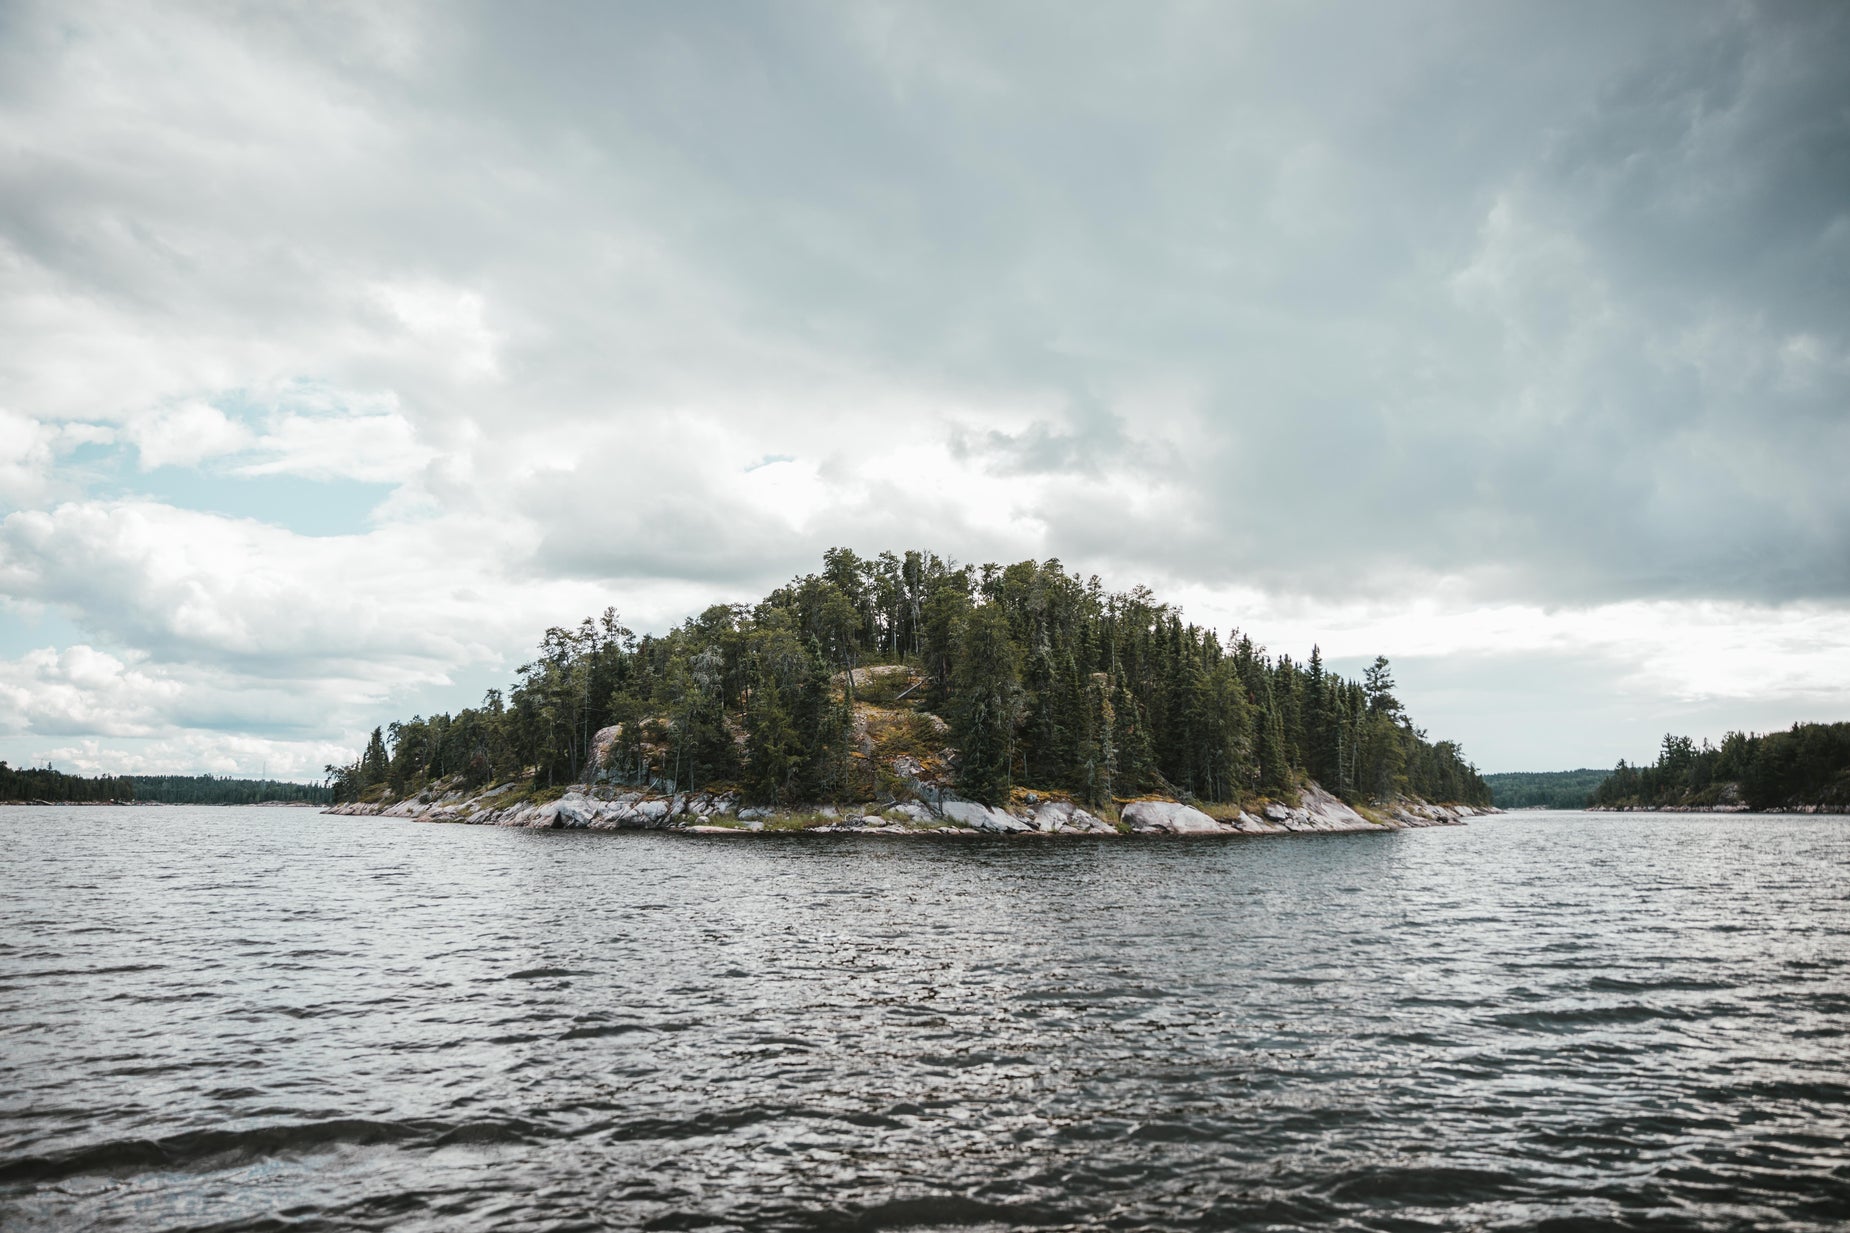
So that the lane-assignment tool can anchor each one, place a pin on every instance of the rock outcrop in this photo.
(1168, 818)
(604, 807)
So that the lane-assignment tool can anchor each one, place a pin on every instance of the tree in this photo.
(1272, 764)
(773, 751)
(375, 763)
(987, 705)
(1378, 685)
(1098, 762)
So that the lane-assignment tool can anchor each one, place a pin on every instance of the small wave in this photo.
(545, 973)
(1590, 1016)
(1427, 1184)
(593, 1031)
(107, 971)
(216, 1149)
(1620, 984)
(700, 1126)
(947, 1212)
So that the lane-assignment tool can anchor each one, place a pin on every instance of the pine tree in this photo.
(1098, 763)
(1136, 762)
(986, 705)
(1272, 764)
(1317, 734)
(772, 748)
(375, 763)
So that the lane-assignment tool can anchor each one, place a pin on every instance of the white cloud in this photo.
(25, 458)
(376, 445)
(446, 324)
(1198, 297)
(80, 690)
(186, 434)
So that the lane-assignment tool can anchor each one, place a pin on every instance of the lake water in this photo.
(269, 1018)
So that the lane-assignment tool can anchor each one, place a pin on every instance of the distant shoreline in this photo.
(1781, 809)
(178, 804)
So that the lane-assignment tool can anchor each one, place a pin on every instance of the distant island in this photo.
(1544, 789)
(1804, 769)
(905, 693)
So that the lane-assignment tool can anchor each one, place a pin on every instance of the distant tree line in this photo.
(1809, 764)
(223, 790)
(46, 784)
(1544, 789)
(1046, 680)
(42, 783)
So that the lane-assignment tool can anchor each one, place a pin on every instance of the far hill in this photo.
(1544, 789)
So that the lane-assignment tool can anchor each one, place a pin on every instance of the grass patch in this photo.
(799, 821)
(904, 734)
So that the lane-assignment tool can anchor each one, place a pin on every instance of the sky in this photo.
(343, 349)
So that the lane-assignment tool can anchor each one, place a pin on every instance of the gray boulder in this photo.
(1066, 818)
(983, 818)
(1170, 818)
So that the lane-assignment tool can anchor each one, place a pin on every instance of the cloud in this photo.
(79, 690)
(187, 435)
(650, 305)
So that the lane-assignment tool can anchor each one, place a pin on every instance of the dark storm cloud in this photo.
(1555, 297)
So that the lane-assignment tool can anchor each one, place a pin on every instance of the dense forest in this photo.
(1040, 678)
(1544, 789)
(221, 790)
(46, 784)
(42, 783)
(1807, 765)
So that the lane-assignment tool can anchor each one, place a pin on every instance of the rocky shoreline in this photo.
(611, 808)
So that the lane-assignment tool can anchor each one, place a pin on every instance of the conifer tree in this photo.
(987, 705)
(375, 762)
(1272, 764)
(1136, 762)
(773, 750)
(1098, 764)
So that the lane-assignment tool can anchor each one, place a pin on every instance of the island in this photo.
(1805, 769)
(907, 694)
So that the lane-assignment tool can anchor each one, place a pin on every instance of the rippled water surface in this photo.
(268, 1018)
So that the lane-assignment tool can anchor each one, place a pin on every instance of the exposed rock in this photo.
(650, 812)
(983, 817)
(601, 741)
(576, 811)
(1169, 817)
(1066, 818)
(610, 807)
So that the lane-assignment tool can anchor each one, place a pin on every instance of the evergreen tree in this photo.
(773, 750)
(375, 763)
(1272, 764)
(1098, 763)
(987, 706)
